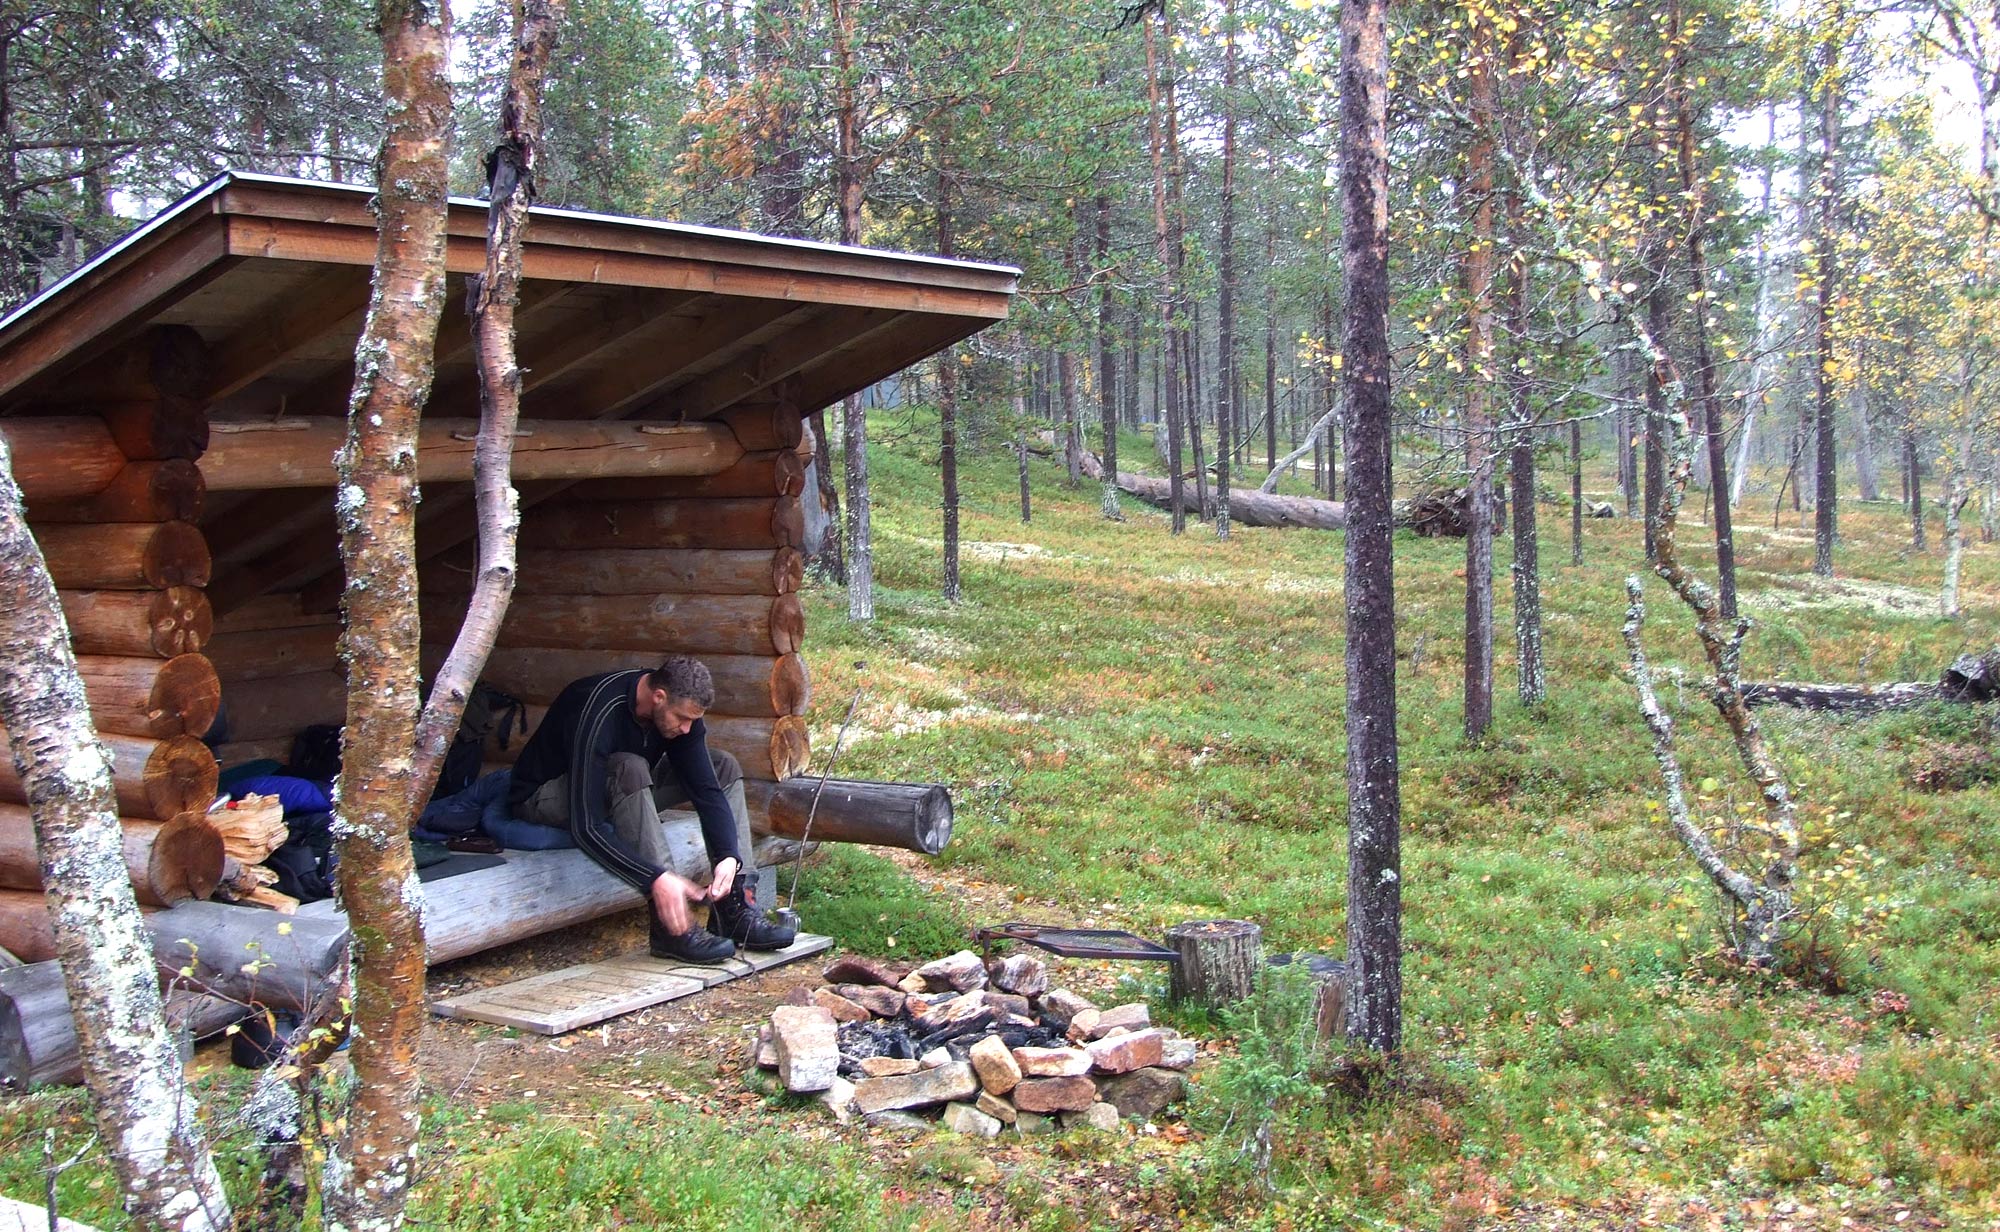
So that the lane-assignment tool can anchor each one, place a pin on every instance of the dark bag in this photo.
(316, 753)
(489, 715)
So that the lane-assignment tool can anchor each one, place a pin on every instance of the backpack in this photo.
(316, 753)
(489, 714)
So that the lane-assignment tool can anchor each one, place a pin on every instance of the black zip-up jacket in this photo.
(590, 720)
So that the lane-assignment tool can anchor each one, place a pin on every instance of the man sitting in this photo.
(611, 752)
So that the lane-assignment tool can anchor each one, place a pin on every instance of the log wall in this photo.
(280, 670)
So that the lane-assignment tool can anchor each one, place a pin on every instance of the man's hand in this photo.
(725, 876)
(671, 893)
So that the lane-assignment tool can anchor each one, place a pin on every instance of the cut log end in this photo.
(186, 860)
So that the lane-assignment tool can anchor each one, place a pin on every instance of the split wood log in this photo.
(125, 555)
(1969, 679)
(912, 816)
(265, 653)
(277, 707)
(1216, 961)
(60, 457)
(168, 491)
(534, 892)
(632, 571)
(160, 623)
(756, 685)
(658, 624)
(774, 748)
(251, 828)
(169, 861)
(1249, 507)
(159, 698)
(156, 779)
(298, 452)
(771, 472)
(743, 522)
(762, 426)
(156, 429)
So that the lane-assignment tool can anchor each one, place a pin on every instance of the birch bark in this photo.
(145, 1116)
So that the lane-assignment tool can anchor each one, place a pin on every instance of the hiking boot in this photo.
(735, 916)
(696, 945)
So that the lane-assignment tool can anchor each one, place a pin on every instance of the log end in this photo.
(788, 624)
(791, 750)
(187, 859)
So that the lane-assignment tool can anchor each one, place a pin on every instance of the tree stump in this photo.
(1217, 961)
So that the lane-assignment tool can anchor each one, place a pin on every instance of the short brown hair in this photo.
(685, 678)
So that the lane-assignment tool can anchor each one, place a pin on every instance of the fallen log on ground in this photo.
(1970, 679)
(234, 958)
(912, 816)
(1247, 506)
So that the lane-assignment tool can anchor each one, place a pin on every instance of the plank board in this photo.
(581, 996)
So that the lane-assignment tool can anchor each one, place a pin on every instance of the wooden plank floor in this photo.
(580, 996)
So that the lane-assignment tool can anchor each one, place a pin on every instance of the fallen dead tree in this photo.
(1247, 506)
(1970, 679)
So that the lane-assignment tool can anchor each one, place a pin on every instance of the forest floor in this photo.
(1140, 729)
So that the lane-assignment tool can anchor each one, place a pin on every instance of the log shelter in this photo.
(174, 406)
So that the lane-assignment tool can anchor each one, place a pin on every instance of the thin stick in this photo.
(813, 810)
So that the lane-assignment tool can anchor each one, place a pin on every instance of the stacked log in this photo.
(700, 625)
(155, 779)
(160, 623)
(169, 861)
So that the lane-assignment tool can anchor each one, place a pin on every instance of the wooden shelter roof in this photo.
(620, 318)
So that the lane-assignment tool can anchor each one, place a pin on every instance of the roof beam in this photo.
(326, 304)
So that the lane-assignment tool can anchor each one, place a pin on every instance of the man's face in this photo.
(672, 716)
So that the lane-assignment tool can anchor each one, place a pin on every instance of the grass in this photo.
(1153, 726)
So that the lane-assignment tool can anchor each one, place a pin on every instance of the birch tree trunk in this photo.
(1374, 804)
(145, 1116)
(1827, 180)
(366, 1181)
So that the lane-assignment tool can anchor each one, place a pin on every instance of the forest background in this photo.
(1761, 190)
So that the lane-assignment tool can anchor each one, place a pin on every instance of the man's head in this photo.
(679, 691)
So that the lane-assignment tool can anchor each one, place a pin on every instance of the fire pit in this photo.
(983, 1045)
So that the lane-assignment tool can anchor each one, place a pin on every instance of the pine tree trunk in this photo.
(366, 1180)
(1225, 341)
(1477, 270)
(854, 418)
(145, 1117)
(1166, 240)
(1374, 810)
(1694, 197)
(1575, 492)
(1271, 320)
(948, 401)
(1107, 356)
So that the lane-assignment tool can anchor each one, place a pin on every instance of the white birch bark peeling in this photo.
(145, 1116)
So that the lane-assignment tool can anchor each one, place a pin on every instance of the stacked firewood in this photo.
(981, 1046)
(252, 828)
